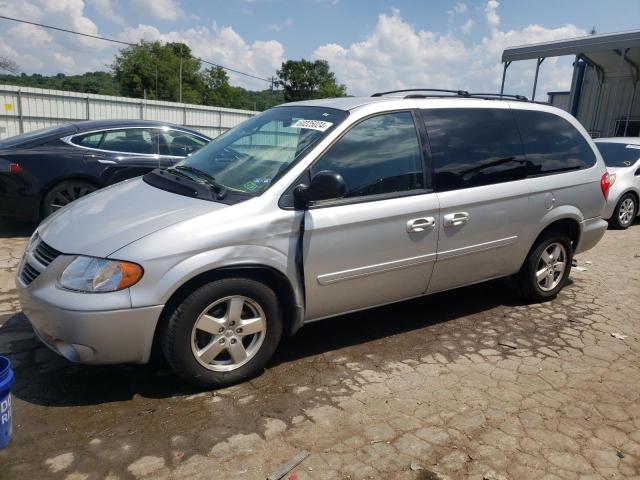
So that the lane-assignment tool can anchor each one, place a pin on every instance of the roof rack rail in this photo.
(461, 93)
(499, 95)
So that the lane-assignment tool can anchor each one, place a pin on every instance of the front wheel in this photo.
(625, 212)
(223, 333)
(546, 268)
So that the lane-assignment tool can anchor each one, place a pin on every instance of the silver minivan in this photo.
(311, 210)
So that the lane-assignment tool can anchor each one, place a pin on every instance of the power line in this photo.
(68, 31)
(113, 40)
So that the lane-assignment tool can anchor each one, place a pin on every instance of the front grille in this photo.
(28, 274)
(45, 254)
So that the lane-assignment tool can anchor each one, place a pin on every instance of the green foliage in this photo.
(304, 80)
(152, 69)
(101, 83)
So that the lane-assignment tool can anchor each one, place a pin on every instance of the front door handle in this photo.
(456, 219)
(420, 224)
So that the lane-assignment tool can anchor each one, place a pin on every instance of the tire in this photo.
(64, 193)
(531, 287)
(625, 212)
(188, 347)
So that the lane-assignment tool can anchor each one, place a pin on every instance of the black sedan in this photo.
(44, 170)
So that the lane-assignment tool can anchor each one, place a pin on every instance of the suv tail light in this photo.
(605, 184)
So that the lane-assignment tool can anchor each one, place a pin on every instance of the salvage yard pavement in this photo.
(465, 384)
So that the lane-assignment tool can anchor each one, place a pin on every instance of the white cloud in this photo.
(161, 9)
(396, 55)
(493, 19)
(35, 36)
(276, 27)
(459, 7)
(66, 63)
(467, 26)
(107, 10)
(223, 46)
(45, 51)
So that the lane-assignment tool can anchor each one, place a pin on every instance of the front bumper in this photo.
(593, 229)
(87, 328)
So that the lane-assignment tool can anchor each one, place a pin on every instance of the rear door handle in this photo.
(420, 224)
(456, 219)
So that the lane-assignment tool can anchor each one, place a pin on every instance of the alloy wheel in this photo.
(65, 194)
(228, 333)
(551, 266)
(626, 211)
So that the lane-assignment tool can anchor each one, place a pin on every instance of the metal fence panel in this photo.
(23, 109)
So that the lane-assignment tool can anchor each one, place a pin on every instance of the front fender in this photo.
(156, 288)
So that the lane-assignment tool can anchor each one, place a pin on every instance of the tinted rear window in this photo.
(43, 133)
(619, 154)
(471, 147)
(552, 144)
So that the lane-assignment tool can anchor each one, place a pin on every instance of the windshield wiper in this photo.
(210, 181)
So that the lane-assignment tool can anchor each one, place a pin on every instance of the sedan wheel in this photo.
(228, 333)
(626, 211)
(64, 193)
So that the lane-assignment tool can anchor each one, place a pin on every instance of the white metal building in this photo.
(604, 92)
(23, 109)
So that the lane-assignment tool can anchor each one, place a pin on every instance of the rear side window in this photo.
(90, 140)
(552, 144)
(133, 140)
(471, 147)
(379, 155)
(619, 154)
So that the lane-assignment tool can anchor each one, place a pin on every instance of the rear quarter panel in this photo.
(575, 195)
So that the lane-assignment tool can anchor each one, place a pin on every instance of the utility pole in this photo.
(273, 82)
(157, 96)
(180, 74)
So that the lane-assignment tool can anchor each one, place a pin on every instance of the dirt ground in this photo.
(466, 384)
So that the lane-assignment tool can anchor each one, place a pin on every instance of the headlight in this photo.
(89, 274)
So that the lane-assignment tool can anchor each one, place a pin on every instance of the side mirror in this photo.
(325, 185)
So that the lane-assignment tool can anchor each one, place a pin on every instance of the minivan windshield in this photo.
(250, 157)
(618, 154)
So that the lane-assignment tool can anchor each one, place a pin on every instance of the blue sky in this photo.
(371, 45)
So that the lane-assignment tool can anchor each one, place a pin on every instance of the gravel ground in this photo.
(466, 384)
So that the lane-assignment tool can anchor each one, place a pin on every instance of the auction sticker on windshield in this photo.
(319, 125)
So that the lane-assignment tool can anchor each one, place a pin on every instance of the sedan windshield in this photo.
(251, 156)
(619, 154)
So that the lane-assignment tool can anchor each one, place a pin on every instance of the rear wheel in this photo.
(625, 212)
(223, 333)
(63, 194)
(547, 267)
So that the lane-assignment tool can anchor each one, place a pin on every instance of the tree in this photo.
(303, 80)
(217, 90)
(154, 68)
(8, 65)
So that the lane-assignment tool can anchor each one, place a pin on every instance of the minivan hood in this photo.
(107, 220)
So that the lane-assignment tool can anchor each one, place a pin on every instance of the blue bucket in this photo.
(6, 379)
